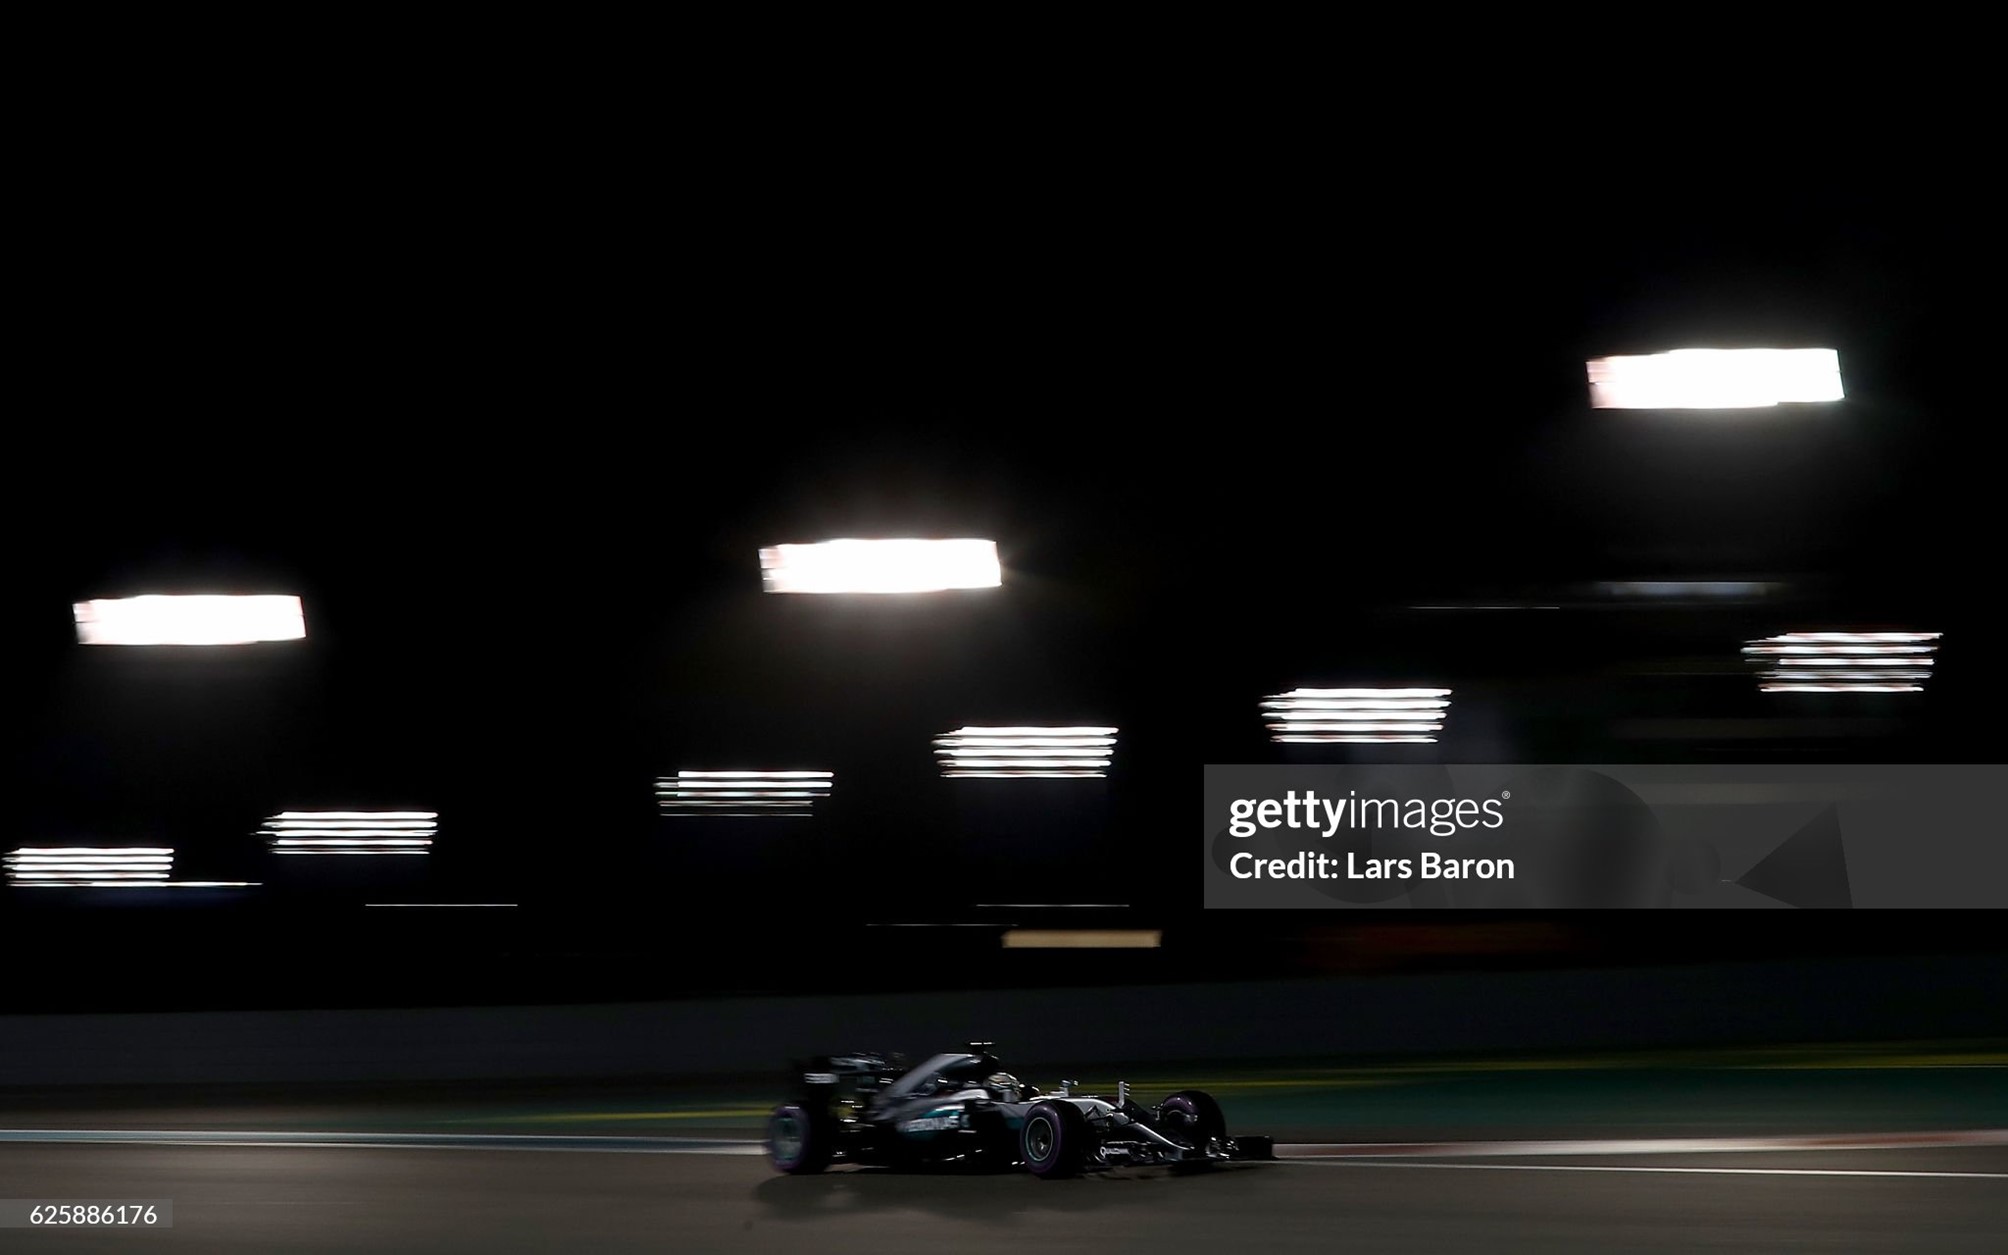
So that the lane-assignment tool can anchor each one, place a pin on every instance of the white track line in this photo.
(1644, 1146)
(1584, 1167)
(387, 1141)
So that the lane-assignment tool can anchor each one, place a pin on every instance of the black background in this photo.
(512, 384)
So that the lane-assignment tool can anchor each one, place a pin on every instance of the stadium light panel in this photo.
(880, 566)
(1715, 379)
(743, 794)
(1048, 753)
(89, 867)
(1356, 716)
(351, 832)
(200, 619)
(1843, 662)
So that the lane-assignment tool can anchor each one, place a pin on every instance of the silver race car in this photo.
(963, 1108)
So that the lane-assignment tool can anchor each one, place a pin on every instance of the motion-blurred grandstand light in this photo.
(202, 619)
(89, 867)
(1689, 590)
(1715, 379)
(881, 566)
(1843, 662)
(351, 832)
(1356, 716)
(972, 753)
(1083, 938)
(744, 794)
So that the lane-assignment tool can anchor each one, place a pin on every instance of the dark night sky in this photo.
(515, 415)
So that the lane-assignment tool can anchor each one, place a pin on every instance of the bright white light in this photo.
(350, 832)
(206, 619)
(881, 566)
(1859, 638)
(141, 884)
(89, 866)
(1843, 662)
(744, 794)
(1057, 753)
(1715, 379)
(1356, 716)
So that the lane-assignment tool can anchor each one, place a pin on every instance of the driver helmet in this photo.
(1005, 1084)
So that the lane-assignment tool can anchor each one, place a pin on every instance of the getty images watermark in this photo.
(1440, 817)
(1509, 837)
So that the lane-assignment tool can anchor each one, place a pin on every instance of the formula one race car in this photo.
(963, 1108)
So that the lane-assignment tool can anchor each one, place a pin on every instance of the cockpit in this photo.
(953, 1073)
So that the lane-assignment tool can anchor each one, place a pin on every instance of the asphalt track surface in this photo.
(352, 1198)
(1547, 1160)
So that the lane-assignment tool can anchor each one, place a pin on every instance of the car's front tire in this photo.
(1191, 1114)
(799, 1141)
(1055, 1140)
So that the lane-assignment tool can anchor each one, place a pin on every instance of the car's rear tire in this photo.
(1193, 1116)
(1056, 1140)
(799, 1141)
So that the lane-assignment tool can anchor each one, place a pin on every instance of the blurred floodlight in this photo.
(351, 832)
(1356, 716)
(1843, 662)
(881, 566)
(204, 619)
(1715, 379)
(744, 794)
(1690, 590)
(1083, 939)
(89, 866)
(972, 753)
